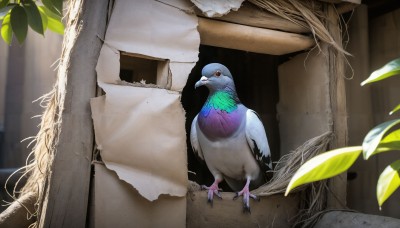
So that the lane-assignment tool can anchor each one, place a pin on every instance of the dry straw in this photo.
(305, 13)
(313, 196)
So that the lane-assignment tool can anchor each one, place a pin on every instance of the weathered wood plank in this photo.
(247, 38)
(16, 215)
(66, 197)
(361, 191)
(271, 211)
(337, 185)
(384, 46)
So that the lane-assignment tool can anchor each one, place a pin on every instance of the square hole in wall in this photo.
(139, 68)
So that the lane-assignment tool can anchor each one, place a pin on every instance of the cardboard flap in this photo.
(212, 8)
(141, 135)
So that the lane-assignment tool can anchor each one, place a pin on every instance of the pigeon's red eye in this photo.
(218, 73)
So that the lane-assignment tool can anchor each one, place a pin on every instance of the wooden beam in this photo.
(16, 215)
(271, 211)
(252, 39)
(338, 184)
(253, 16)
(67, 190)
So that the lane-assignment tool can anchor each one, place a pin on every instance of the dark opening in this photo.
(136, 69)
(256, 80)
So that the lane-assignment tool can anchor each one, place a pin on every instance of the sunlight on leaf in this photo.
(374, 137)
(390, 69)
(55, 25)
(34, 18)
(389, 143)
(49, 13)
(397, 108)
(6, 30)
(53, 6)
(44, 18)
(19, 23)
(388, 182)
(324, 166)
(54, 22)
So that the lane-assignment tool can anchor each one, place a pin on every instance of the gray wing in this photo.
(257, 140)
(194, 140)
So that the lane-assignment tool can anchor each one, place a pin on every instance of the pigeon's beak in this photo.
(203, 80)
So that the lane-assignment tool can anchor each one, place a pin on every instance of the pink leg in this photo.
(213, 190)
(246, 196)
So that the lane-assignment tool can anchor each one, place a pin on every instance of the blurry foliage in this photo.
(17, 15)
(382, 138)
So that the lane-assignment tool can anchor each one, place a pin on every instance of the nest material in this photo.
(314, 195)
(305, 13)
(288, 164)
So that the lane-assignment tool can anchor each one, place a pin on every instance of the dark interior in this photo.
(256, 80)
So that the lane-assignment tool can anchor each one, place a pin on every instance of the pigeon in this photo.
(229, 137)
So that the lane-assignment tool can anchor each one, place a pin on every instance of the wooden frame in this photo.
(67, 193)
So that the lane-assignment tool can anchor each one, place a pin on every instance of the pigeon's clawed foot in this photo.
(246, 197)
(212, 190)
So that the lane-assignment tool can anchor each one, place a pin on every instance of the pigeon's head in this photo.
(216, 76)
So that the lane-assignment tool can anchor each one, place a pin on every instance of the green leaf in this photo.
(390, 69)
(388, 182)
(374, 137)
(54, 6)
(390, 142)
(55, 25)
(397, 108)
(58, 5)
(19, 23)
(34, 17)
(49, 13)
(324, 166)
(44, 18)
(6, 30)
(54, 22)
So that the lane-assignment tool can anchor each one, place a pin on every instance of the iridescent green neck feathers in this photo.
(222, 100)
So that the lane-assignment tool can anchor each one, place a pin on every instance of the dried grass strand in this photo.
(314, 195)
(305, 13)
(290, 163)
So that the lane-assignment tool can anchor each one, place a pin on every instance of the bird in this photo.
(229, 137)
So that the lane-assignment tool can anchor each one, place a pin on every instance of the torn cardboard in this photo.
(114, 197)
(159, 29)
(212, 8)
(140, 131)
(141, 135)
